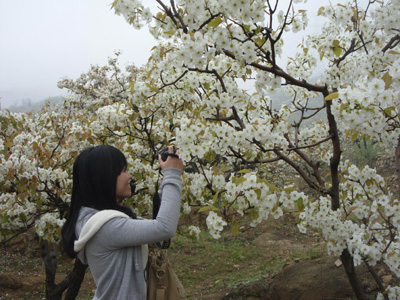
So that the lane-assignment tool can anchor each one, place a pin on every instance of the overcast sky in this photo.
(42, 41)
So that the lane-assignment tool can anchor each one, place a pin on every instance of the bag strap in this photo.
(157, 263)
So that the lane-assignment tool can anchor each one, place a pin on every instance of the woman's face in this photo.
(124, 185)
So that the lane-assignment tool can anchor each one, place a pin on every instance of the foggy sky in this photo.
(42, 41)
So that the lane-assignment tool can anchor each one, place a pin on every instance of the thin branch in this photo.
(213, 71)
(183, 25)
(394, 41)
(321, 189)
(306, 159)
(289, 79)
(208, 21)
(168, 12)
(174, 82)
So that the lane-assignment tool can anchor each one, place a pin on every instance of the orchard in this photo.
(210, 87)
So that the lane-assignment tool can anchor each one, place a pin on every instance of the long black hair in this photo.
(94, 182)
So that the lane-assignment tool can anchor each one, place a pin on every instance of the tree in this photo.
(206, 47)
(38, 150)
(36, 156)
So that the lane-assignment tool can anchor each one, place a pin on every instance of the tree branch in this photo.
(394, 41)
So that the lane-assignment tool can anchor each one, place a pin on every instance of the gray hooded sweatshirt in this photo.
(111, 243)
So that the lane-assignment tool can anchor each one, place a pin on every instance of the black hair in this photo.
(94, 182)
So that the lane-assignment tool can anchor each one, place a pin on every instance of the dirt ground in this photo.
(314, 277)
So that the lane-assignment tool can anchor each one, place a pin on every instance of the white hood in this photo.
(94, 224)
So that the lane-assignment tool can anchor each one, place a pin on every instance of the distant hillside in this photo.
(28, 105)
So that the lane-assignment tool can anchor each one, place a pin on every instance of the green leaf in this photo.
(271, 186)
(5, 219)
(332, 96)
(215, 197)
(337, 51)
(170, 32)
(354, 136)
(152, 88)
(343, 106)
(215, 22)
(260, 41)
(387, 79)
(240, 180)
(388, 111)
(114, 4)
(23, 184)
(320, 10)
(22, 216)
(255, 215)
(235, 228)
(300, 204)
(205, 208)
(336, 43)
(138, 176)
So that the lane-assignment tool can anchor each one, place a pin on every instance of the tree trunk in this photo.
(347, 259)
(75, 280)
(397, 154)
(72, 282)
(49, 255)
(348, 264)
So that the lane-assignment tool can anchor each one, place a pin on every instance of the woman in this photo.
(111, 243)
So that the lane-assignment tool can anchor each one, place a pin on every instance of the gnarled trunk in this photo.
(71, 283)
(397, 153)
(348, 264)
(346, 258)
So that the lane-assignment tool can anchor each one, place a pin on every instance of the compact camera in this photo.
(165, 153)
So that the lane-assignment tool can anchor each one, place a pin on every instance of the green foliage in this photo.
(364, 152)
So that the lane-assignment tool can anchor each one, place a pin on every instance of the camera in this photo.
(165, 153)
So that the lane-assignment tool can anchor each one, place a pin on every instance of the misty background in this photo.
(43, 41)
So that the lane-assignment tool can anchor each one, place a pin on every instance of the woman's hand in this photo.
(171, 162)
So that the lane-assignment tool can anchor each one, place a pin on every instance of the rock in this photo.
(272, 241)
(338, 263)
(387, 279)
(216, 296)
(252, 291)
(9, 282)
(309, 280)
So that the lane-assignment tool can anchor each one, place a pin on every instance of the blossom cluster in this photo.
(48, 227)
(215, 224)
(362, 196)
(133, 11)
